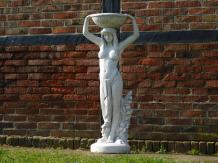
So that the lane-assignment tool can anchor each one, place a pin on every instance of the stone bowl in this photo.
(109, 20)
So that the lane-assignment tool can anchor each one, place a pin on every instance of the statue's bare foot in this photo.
(102, 140)
(119, 141)
(110, 139)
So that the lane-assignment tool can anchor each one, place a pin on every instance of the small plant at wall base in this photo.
(162, 150)
(194, 152)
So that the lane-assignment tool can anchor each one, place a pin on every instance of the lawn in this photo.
(35, 155)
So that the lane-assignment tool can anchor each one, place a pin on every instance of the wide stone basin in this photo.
(109, 20)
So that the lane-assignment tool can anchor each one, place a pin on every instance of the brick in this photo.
(135, 5)
(148, 12)
(159, 19)
(192, 83)
(25, 125)
(212, 83)
(58, 30)
(178, 121)
(30, 97)
(180, 147)
(187, 145)
(175, 11)
(203, 147)
(3, 139)
(84, 143)
(42, 90)
(203, 25)
(77, 142)
(164, 84)
(70, 143)
(191, 113)
(7, 97)
(171, 146)
(40, 31)
(216, 147)
(39, 62)
(167, 113)
(87, 62)
(74, 54)
(156, 146)
(30, 110)
(149, 145)
(12, 140)
(62, 90)
(188, 18)
(194, 11)
(51, 111)
(133, 145)
(66, 61)
(66, 15)
(52, 97)
(75, 97)
(152, 62)
(176, 91)
(180, 4)
(155, 27)
(14, 118)
(160, 4)
(8, 69)
(86, 47)
(200, 91)
(195, 145)
(15, 62)
(40, 2)
(43, 125)
(14, 132)
(38, 76)
(178, 26)
(210, 147)
(213, 98)
(90, 142)
(18, 16)
(211, 3)
(52, 23)
(6, 55)
(195, 99)
(38, 118)
(29, 23)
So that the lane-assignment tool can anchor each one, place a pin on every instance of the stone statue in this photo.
(116, 110)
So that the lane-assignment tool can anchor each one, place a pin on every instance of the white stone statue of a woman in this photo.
(115, 109)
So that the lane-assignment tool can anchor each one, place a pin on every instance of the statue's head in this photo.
(108, 34)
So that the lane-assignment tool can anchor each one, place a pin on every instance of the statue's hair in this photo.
(114, 34)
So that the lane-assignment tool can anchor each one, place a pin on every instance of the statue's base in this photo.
(110, 148)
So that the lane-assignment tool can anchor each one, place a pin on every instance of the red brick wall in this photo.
(23, 17)
(49, 91)
(54, 90)
(172, 15)
(175, 85)
(175, 90)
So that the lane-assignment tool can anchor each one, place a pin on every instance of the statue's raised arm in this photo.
(131, 38)
(95, 39)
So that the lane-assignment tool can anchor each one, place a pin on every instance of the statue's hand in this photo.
(130, 16)
(88, 17)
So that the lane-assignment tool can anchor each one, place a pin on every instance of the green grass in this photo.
(31, 155)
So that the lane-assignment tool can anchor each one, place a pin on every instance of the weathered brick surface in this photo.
(171, 15)
(45, 17)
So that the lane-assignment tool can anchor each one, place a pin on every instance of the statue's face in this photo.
(108, 36)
